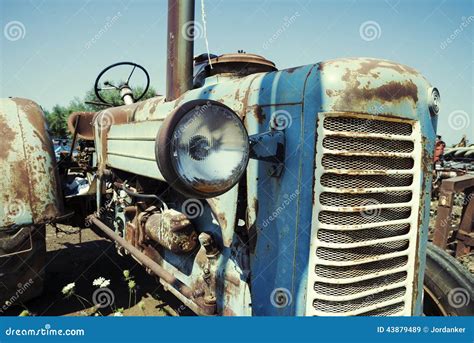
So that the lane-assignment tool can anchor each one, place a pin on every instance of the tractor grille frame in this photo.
(365, 216)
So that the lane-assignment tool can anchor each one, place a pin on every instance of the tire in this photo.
(22, 271)
(448, 285)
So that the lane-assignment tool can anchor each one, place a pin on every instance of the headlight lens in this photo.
(207, 149)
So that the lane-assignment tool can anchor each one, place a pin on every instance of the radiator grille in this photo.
(364, 222)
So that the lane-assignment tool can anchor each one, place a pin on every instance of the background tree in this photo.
(57, 117)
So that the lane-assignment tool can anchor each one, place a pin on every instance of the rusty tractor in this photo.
(246, 189)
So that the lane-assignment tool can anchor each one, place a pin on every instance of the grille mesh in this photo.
(355, 192)
(344, 199)
(358, 287)
(359, 270)
(366, 144)
(361, 253)
(386, 310)
(365, 181)
(356, 236)
(364, 217)
(366, 162)
(349, 124)
(356, 304)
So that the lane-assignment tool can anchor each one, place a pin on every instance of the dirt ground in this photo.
(82, 259)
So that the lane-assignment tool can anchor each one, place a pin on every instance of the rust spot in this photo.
(258, 114)
(255, 206)
(392, 91)
(321, 66)
(291, 70)
(367, 66)
(222, 220)
(8, 136)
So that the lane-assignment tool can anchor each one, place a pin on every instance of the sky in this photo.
(52, 50)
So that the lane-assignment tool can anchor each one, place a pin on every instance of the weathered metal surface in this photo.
(464, 234)
(172, 230)
(179, 73)
(85, 130)
(279, 211)
(29, 184)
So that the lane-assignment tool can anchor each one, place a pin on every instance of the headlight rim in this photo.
(163, 148)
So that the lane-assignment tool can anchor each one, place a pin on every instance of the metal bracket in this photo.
(269, 147)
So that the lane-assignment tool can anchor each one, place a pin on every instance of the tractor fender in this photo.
(29, 184)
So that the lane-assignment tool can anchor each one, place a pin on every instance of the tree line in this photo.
(58, 115)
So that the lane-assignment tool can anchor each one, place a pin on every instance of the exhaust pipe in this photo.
(179, 72)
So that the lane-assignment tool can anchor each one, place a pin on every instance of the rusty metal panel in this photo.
(28, 177)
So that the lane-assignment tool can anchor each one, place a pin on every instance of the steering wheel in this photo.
(109, 86)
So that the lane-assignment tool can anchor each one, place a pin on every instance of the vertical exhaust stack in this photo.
(179, 73)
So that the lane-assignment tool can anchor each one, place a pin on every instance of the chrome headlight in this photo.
(202, 148)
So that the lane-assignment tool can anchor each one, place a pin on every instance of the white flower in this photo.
(118, 314)
(101, 282)
(69, 288)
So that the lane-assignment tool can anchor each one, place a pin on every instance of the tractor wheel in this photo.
(22, 264)
(448, 285)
